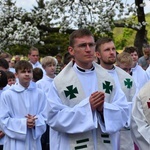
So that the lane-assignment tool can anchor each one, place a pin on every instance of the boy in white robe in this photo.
(3, 87)
(138, 73)
(85, 110)
(23, 111)
(49, 64)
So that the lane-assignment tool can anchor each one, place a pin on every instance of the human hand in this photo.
(31, 120)
(97, 100)
(1, 134)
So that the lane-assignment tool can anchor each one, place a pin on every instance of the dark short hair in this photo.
(10, 74)
(4, 63)
(37, 74)
(58, 55)
(78, 34)
(67, 58)
(130, 49)
(23, 65)
(101, 41)
(3, 79)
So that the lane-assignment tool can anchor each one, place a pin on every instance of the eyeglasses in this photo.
(83, 46)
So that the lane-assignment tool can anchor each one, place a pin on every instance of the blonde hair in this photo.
(32, 49)
(48, 60)
(124, 58)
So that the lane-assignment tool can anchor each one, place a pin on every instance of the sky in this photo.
(28, 4)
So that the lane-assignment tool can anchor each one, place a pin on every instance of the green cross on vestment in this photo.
(71, 91)
(128, 83)
(108, 88)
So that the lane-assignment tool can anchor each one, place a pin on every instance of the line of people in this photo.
(86, 106)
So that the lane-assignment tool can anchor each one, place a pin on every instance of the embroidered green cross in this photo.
(128, 83)
(71, 91)
(108, 88)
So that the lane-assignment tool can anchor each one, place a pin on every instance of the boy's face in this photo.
(11, 81)
(24, 77)
(134, 56)
(50, 70)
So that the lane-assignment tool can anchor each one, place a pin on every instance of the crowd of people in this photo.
(91, 98)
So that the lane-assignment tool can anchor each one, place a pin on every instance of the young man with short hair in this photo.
(85, 109)
(106, 52)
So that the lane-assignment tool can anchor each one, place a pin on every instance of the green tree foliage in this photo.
(123, 37)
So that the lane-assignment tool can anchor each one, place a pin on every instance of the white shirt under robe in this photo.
(16, 103)
(140, 77)
(38, 65)
(119, 75)
(44, 83)
(65, 121)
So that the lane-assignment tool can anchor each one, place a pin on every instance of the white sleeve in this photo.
(16, 127)
(139, 126)
(116, 113)
(148, 72)
(40, 122)
(62, 118)
(13, 127)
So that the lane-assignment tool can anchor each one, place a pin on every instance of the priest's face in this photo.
(83, 51)
(107, 53)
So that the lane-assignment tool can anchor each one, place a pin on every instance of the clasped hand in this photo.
(97, 101)
(31, 120)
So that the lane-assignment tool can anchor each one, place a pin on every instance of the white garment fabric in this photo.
(44, 83)
(139, 123)
(12, 70)
(121, 77)
(140, 77)
(66, 121)
(1, 91)
(38, 65)
(1, 139)
(16, 103)
(148, 72)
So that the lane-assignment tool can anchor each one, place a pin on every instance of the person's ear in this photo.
(98, 55)
(16, 75)
(71, 50)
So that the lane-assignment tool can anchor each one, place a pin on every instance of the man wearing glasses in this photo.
(85, 109)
